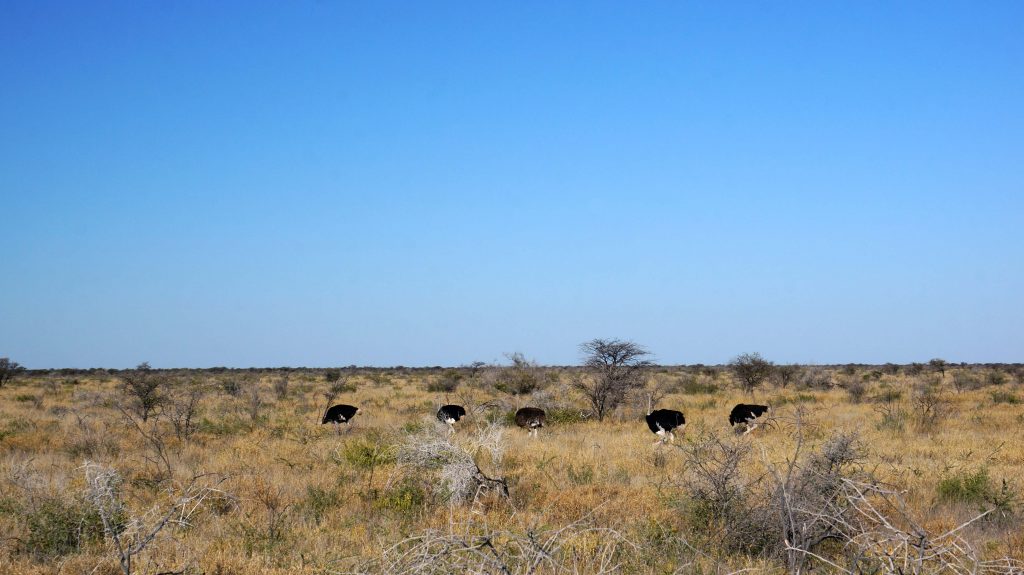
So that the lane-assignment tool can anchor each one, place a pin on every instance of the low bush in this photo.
(856, 388)
(9, 506)
(964, 380)
(224, 426)
(405, 497)
(231, 386)
(930, 405)
(693, 385)
(999, 396)
(979, 489)
(446, 383)
(965, 487)
(367, 453)
(412, 427)
(816, 378)
(562, 416)
(341, 386)
(318, 502)
(894, 417)
(723, 501)
(280, 385)
(995, 377)
(887, 394)
(55, 528)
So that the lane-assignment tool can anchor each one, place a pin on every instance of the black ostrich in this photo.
(450, 414)
(531, 419)
(663, 421)
(340, 414)
(747, 414)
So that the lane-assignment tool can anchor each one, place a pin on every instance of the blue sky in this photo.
(322, 183)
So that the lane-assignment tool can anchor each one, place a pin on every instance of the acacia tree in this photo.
(939, 365)
(616, 368)
(751, 370)
(144, 387)
(8, 369)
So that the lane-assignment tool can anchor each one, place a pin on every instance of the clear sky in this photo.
(430, 183)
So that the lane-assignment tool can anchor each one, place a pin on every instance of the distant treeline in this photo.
(889, 368)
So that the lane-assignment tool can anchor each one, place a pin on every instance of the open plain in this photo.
(863, 469)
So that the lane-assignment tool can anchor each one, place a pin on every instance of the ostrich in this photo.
(747, 414)
(340, 414)
(663, 421)
(531, 419)
(450, 414)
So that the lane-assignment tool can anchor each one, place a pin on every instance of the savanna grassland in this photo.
(860, 469)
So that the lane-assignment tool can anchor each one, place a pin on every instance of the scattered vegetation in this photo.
(8, 370)
(520, 378)
(615, 369)
(143, 388)
(210, 481)
(751, 370)
(447, 382)
(55, 527)
(1008, 397)
(697, 384)
(856, 388)
(786, 374)
(978, 489)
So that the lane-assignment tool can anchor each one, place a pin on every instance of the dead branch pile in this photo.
(458, 478)
(472, 548)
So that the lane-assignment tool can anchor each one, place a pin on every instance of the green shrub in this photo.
(9, 506)
(225, 426)
(966, 487)
(404, 498)
(318, 502)
(16, 427)
(367, 453)
(563, 416)
(1005, 397)
(57, 528)
(412, 427)
(979, 489)
(1005, 501)
(694, 385)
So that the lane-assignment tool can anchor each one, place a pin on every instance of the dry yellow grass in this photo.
(294, 497)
